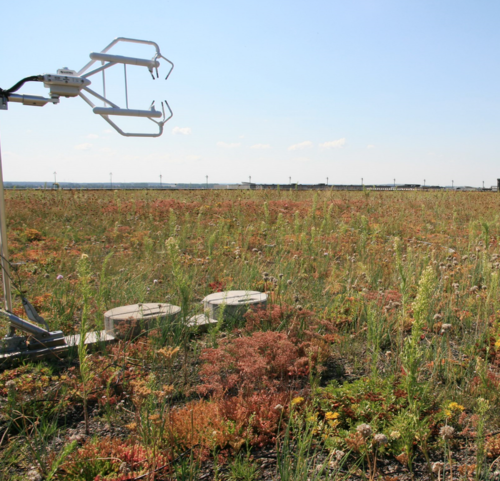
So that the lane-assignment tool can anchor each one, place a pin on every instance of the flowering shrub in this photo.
(493, 446)
(263, 360)
(249, 380)
(32, 235)
(227, 423)
(217, 286)
(277, 318)
(111, 459)
(22, 389)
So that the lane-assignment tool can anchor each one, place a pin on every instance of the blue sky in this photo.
(379, 90)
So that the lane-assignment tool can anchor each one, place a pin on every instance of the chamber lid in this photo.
(235, 298)
(142, 311)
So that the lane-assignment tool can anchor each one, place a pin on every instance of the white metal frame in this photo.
(108, 61)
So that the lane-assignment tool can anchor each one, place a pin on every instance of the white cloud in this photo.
(260, 146)
(108, 131)
(181, 130)
(85, 146)
(370, 146)
(193, 157)
(333, 144)
(225, 145)
(92, 136)
(301, 145)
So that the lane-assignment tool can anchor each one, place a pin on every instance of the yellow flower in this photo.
(297, 400)
(497, 344)
(447, 413)
(168, 353)
(455, 407)
(333, 424)
(331, 416)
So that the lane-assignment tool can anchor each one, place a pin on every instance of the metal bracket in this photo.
(37, 338)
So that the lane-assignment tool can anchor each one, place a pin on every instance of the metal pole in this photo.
(4, 260)
(160, 182)
(111, 179)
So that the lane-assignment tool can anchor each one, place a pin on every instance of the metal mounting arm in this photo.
(38, 336)
(34, 100)
(25, 326)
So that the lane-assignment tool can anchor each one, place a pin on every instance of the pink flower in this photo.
(59, 277)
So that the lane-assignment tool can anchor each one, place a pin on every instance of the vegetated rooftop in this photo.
(377, 357)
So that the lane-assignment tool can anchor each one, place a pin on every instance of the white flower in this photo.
(365, 430)
(380, 439)
(446, 432)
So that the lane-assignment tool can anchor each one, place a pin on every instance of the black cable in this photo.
(6, 92)
(18, 85)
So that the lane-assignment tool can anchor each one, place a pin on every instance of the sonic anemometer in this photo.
(69, 83)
